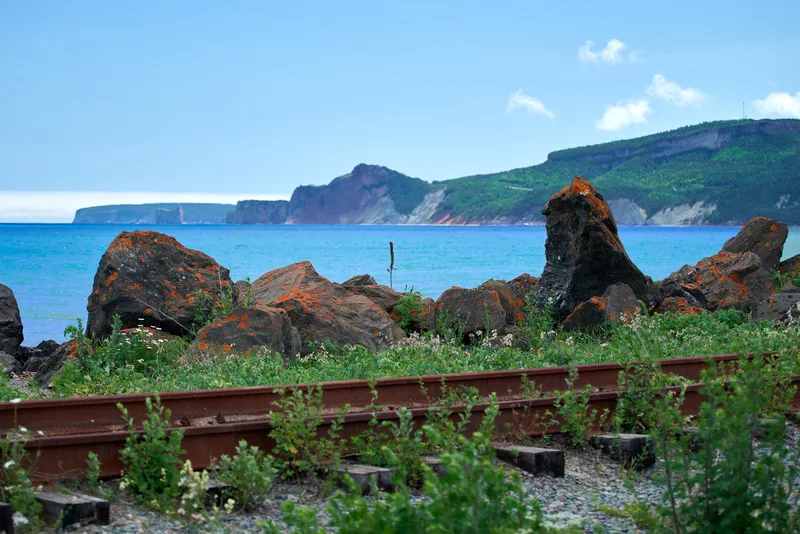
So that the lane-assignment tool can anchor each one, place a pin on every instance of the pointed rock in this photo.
(469, 311)
(763, 237)
(584, 252)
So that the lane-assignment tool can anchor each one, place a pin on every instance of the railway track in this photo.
(91, 415)
(63, 455)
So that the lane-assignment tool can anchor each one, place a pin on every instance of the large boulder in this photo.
(469, 311)
(360, 280)
(41, 351)
(151, 276)
(248, 330)
(763, 237)
(728, 280)
(584, 253)
(617, 303)
(511, 299)
(323, 311)
(10, 322)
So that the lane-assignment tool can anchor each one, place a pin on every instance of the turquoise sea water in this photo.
(51, 267)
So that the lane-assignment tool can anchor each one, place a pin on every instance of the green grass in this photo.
(116, 368)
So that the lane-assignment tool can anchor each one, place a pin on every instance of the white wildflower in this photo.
(9, 464)
(19, 519)
(23, 430)
(15, 401)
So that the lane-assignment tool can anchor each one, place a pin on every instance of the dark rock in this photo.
(678, 305)
(511, 299)
(360, 280)
(584, 252)
(48, 366)
(782, 308)
(10, 322)
(763, 237)
(247, 330)
(728, 280)
(9, 364)
(618, 303)
(150, 275)
(322, 311)
(791, 266)
(468, 311)
(526, 284)
(42, 350)
(6, 518)
(689, 292)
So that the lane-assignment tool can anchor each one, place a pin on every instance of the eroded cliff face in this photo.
(259, 212)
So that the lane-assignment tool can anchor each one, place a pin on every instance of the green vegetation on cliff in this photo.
(744, 167)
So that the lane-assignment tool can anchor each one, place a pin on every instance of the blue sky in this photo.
(250, 99)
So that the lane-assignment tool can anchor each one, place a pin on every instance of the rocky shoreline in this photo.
(149, 279)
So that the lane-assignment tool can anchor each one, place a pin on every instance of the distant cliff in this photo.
(259, 212)
(717, 173)
(370, 194)
(167, 213)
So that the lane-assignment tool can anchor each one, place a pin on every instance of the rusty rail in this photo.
(100, 413)
(62, 457)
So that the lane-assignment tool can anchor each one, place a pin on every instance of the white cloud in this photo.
(624, 114)
(672, 92)
(612, 53)
(520, 100)
(781, 104)
(60, 206)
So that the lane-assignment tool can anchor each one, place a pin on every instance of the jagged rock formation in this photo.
(169, 216)
(763, 237)
(259, 212)
(584, 253)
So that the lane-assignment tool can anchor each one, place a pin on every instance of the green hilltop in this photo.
(743, 167)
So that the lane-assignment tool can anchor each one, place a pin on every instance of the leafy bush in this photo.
(249, 474)
(152, 457)
(572, 414)
(16, 487)
(410, 311)
(299, 449)
(734, 483)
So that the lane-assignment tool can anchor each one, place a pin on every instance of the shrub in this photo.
(299, 450)
(16, 487)
(249, 475)
(410, 311)
(734, 483)
(152, 457)
(572, 411)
